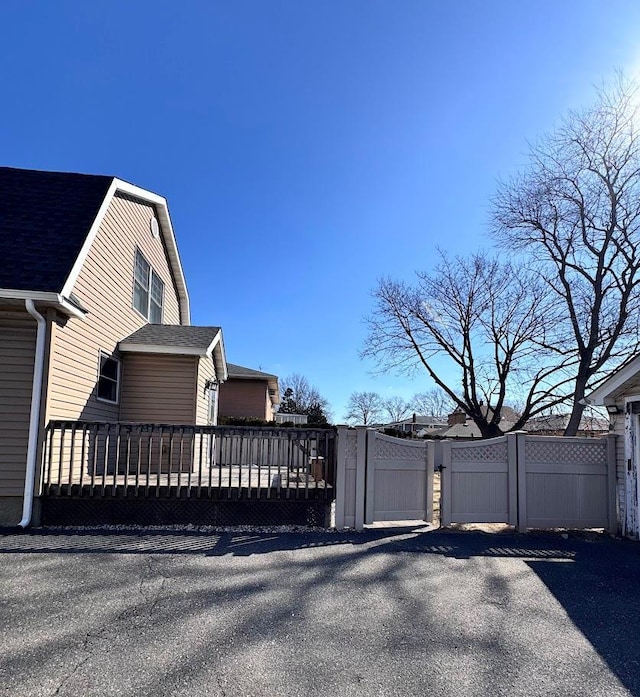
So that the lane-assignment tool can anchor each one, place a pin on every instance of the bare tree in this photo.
(396, 408)
(576, 211)
(486, 319)
(300, 397)
(364, 408)
(434, 402)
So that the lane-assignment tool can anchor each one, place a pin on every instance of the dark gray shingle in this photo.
(171, 335)
(238, 371)
(44, 220)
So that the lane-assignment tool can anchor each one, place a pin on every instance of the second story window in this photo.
(148, 290)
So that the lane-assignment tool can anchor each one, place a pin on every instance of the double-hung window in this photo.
(148, 290)
(108, 378)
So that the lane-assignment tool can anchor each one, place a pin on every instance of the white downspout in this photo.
(34, 419)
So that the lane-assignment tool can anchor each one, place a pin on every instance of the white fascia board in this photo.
(601, 395)
(55, 299)
(167, 232)
(216, 351)
(157, 348)
(84, 251)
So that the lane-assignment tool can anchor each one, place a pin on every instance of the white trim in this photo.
(599, 396)
(34, 416)
(220, 364)
(159, 348)
(70, 309)
(56, 299)
(167, 234)
(93, 231)
(106, 354)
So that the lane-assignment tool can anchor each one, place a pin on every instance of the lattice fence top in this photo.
(351, 447)
(594, 453)
(489, 451)
(388, 448)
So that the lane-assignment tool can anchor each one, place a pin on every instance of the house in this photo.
(591, 426)
(620, 394)
(94, 319)
(249, 393)
(418, 424)
(460, 426)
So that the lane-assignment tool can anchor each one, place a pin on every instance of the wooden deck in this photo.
(249, 478)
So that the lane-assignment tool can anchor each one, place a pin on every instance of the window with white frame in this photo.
(108, 378)
(148, 290)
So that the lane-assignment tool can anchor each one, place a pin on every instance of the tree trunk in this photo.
(489, 430)
(578, 408)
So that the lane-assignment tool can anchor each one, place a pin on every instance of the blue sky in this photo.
(306, 148)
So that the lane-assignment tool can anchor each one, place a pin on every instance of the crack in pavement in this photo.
(140, 611)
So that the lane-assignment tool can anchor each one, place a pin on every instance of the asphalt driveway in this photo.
(385, 612)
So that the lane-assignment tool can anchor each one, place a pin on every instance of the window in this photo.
(108, 378)
(148, 290)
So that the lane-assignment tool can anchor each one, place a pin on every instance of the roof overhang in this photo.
(57, 300)
(166, 228)
(215, 351)
(614, 385)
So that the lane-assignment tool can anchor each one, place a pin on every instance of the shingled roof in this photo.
(179, 339)
(238, 371)
(45, 218)
(193, 340)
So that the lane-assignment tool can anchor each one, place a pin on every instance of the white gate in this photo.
(528, 481)
(399, 479)
(479, 481)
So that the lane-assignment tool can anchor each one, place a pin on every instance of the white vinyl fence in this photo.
(518, 479)
(531, 482)
(380, 478)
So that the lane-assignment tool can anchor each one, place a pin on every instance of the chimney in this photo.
(413, 419)
(457, 417)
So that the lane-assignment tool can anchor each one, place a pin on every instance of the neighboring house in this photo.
(249, 393)
(94, 318)
(555, 425)
(418, 423)
(620, 394)
(462, 427)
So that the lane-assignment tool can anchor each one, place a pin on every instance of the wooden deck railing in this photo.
(119, 459)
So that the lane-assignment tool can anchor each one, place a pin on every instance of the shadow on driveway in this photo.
(596, 579)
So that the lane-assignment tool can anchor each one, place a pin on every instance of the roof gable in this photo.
(48, 222)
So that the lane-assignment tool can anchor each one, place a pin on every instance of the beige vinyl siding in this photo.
(245, 398)
(206, 371)
(158, 388)
(105, 289)
(17, 355)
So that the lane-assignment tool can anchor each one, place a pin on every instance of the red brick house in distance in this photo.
(248, 393)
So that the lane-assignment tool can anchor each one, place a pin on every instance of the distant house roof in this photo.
(48, 221)
(239, 372)
(423, 420)
(466, 430)
(180, 340)
(558, 422)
